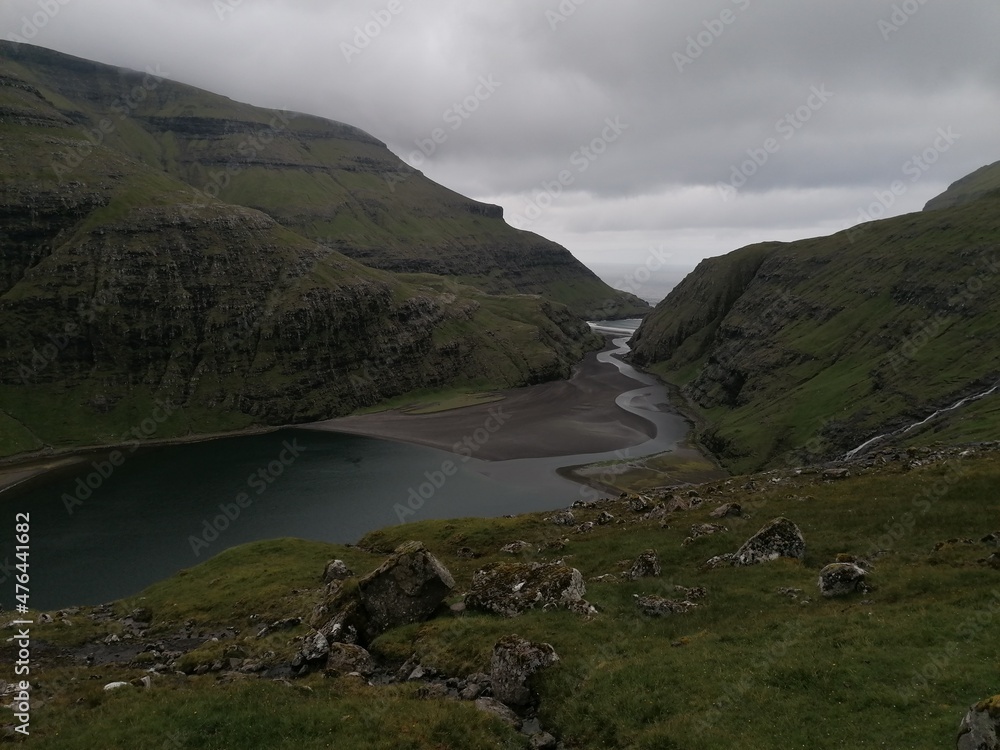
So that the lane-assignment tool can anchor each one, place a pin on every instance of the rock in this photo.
(658, 606)
(562, 518)
(980, 729)
(992, 561)
(704, 529)
(726, 510)
(471, 691)
(605, 518)
(646, 565)
(115, 685)
(498, 709)
(336, 570)
(583, 528)
(513, 662)
(543, 741)
(406, 588)
(516, 548)
(692, 594)
(508, 589)
(991, 539)
(836, 474)
(640, 504)
(345, 658)
(467, 553)
(142, 614)
(842, 579)
(676, 504)
(316, 648)
(779, 538)
(719, 561)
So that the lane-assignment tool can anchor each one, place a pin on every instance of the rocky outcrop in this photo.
(980, 728)
(346, 658)
(512, 664)
(779, 538)
(842, 579)
(406, 588)
(508, 589)
(646, 565)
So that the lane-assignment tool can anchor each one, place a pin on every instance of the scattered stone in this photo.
(467, 553)
(583, 528)
(646, 565)
(676, 504)
(544, 741)
(115, 685)
(704, 529)
(508, 589)
(336, 570)
(779, 538)
(836, 474)
(516, 548)
(606, 578)
(640, 504)
(658, 606)
(345, 658)
(142, 614)
(562, 518)
(719, 561)
(842, 579)
(513, 662)
(726, 510)
(498, 709)
(316, 648)
(406, 588)
(992, 561)
(605, 518)
(692, 594)
(980, 729)
(992, 539)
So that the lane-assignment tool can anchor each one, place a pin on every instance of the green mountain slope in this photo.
(983, 181)
(131, 301)
(327, 181)
(801, 351)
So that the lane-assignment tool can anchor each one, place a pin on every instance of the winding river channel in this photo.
(160, 511)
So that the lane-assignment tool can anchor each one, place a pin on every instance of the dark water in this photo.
(170, 508)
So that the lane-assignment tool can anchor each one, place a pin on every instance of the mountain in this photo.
(329, 182)
(134, 303)
(983, 181)
(798, 352)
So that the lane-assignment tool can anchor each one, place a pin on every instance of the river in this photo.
(169, 508)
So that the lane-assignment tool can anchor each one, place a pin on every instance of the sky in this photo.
(639, 134)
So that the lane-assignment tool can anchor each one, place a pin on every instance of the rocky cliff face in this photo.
(801, 351)
(327, 181)
(123, 288)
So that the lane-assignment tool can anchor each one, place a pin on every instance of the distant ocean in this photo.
(650, 285)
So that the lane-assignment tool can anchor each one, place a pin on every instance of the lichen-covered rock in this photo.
(315, 648)
(719, 561)
(513, 662)
(658, 606)
(980, 729)
(842, 579)
(336, 570)
(345, 658)
(779, 538)
(640, 504)
(562, 518)
(516, 548)
(406, 588)
(508, 589)
(605, 518)
(646, 565)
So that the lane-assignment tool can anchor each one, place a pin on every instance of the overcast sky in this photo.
(692, 127)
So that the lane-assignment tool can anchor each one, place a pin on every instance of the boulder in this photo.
(980, 729)
(336, 570)
(508, 589)
(605, 518)
(498, 709)
(315, 648)
(779, 538)
(658, 606)
(516, 548)
(513, 662)
(406, 588)
(842, 579)
(726, 510)
(646, 565)
(640, 504)
(346, 658)
(562, 518)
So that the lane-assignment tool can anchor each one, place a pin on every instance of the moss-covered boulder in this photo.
(980, 729)
(508, 589)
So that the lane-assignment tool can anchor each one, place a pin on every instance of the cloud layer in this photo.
(807, 110)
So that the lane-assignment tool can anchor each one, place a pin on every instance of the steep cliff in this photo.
(801, 351)
(125, 293)
(327, 181)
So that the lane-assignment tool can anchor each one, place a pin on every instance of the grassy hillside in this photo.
(763, 658)
(792, 352)
(980, 183)
(329, 182)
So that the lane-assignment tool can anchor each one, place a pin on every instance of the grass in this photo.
(894, 668)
